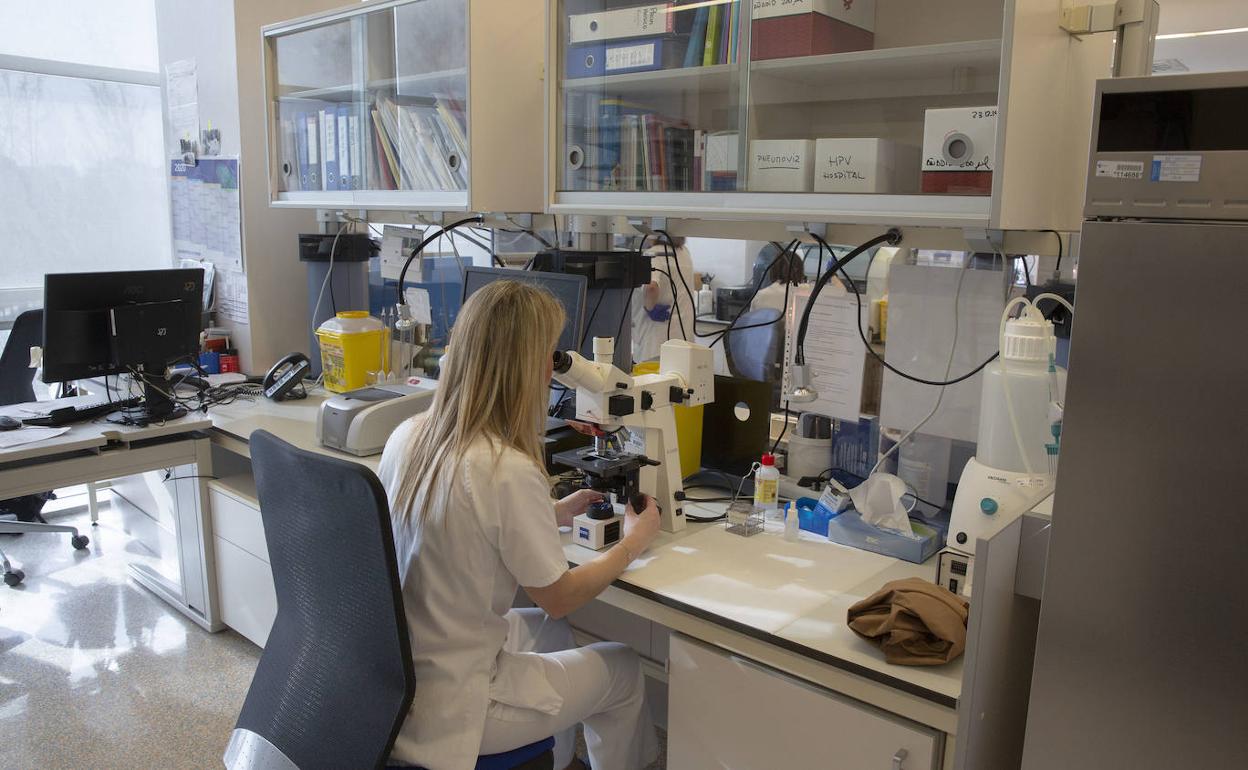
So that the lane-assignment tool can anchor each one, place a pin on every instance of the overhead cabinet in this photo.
(920, 112)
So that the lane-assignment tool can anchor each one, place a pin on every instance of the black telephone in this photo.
(287, 374)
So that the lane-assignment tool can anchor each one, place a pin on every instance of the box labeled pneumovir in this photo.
(782, 165)
(787, 28)
(858, 165)
(959, 150)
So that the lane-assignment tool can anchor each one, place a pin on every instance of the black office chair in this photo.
(335, 681)
(17, 380)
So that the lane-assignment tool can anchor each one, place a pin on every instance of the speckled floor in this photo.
(96, 672)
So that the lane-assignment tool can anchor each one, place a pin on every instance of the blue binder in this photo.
(329, 148)
(344, 156)
(639, 55)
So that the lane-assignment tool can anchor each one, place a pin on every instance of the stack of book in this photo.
(417, 143)
(614, 144)
(646, 38)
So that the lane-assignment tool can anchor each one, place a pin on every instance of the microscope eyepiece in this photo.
(563, 362)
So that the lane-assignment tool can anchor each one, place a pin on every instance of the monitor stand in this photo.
(157, 405)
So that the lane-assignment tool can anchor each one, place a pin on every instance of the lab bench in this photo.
(748, 634)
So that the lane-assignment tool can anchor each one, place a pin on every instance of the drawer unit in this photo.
(245, 591)
(236, 516)
(727, 711)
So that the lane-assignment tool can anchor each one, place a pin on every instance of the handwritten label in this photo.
(631, 57)
(769, 160)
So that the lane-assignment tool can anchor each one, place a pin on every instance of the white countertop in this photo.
(794, 594)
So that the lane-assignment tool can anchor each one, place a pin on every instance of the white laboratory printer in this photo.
(1141, 659)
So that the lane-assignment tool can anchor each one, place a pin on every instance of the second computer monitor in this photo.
(568, 289)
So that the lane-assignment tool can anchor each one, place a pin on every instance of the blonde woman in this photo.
(473, 519)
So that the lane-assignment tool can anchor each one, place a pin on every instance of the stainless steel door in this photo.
(1142, 653)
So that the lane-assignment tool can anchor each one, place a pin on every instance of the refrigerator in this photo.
(1141, 657)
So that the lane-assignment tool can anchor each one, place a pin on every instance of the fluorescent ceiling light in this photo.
(1179, 35)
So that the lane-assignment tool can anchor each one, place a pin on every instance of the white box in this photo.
(960, 139)
(855, 166)
(782, 165)
(858, 13)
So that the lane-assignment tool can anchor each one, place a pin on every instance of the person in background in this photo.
(473, 520)
(664, 309)
(788, 271)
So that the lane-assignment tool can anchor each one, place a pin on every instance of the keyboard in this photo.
(68, 415)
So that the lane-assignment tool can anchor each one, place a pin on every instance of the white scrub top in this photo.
(460, 575)
(648, 334)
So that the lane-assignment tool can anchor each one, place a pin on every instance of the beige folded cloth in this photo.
(915, 622)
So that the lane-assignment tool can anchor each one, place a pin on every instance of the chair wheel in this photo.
(79, 542)
(14, 577)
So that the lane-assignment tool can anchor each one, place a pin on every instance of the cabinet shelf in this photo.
(927, 70)
(669, 82)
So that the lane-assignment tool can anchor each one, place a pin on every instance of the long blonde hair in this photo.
(492, 386)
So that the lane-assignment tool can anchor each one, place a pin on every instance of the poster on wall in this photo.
(206, 212)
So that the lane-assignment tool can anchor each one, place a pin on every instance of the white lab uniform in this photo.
(489, 678)
(772, 296)
(648, 334)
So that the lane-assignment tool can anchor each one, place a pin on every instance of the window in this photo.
(82, 167)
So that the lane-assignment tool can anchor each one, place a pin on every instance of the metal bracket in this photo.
(899, 758)
(808, 228)
(983, 240)
(648, 225)
(1134, 22)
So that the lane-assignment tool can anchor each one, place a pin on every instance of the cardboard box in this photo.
(782, 165)
(856, 166)
(959, 150)
(786, 28)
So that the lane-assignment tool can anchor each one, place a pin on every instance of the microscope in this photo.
(640, 454)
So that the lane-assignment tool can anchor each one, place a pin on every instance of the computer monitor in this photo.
(135, 322)
(568, 289)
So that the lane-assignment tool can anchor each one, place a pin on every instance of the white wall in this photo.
(730, 261)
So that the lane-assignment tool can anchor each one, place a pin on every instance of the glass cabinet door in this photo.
(873, 96)
(372, 104)
(316, 75)
(416, 96)
(650, 96)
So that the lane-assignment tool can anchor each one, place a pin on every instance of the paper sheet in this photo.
(418, 301)
(182, 90)
(833, 351)
(29, 435)
(206, 212)
(232, 302)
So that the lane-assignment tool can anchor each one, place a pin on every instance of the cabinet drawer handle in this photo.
(899, 758)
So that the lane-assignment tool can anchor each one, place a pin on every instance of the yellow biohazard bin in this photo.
(688, 427)
(351, 347)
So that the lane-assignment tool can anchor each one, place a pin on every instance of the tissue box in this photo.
(782, 165)
(785, 28)
(856, 166)
(850, 529)
(959, 150)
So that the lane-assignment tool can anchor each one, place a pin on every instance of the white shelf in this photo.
(397, 200)
(957, 211)
(671, 82)
(423, 83)
(929, 70)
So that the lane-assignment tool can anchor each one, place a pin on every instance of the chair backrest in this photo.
(16, 377)
(335, 681)
(755, 351)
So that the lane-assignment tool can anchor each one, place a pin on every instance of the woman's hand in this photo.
(574, 505)
(640, 529)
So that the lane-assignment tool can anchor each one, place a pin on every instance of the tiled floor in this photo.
(95, 672)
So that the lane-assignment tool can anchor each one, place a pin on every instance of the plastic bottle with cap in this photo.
(792, 526)
(767, 488)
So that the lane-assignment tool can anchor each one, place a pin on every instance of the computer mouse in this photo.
(9, 423)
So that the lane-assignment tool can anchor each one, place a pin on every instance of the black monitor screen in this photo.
(96, 324)
(568, 289)
(1204, 120)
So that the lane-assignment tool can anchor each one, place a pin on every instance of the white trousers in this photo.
(602, 687)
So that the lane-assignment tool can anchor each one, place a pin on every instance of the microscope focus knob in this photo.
(601, 510)
(647, 400)
(620, 406)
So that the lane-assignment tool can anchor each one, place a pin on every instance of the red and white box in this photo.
(959, 150)
(786, 28)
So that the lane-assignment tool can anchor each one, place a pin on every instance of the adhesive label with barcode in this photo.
(1176, 168)
(1120, 169)
(631, 57)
